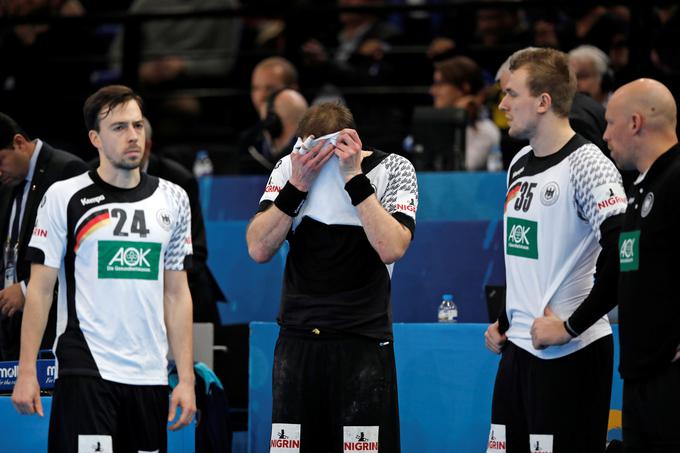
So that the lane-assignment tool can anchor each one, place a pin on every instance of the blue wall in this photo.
(457, 248)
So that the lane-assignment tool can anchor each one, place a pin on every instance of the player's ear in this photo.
(95, 139)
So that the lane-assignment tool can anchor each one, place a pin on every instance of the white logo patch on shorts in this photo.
(94, 443)
(360, 438)
(610, 198)
(541, 443)
(285, 438)
(496, 439)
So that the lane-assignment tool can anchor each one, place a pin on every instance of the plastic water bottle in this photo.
(203, 166)
(448, 311)
(495, 160)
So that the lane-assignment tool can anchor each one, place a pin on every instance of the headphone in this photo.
(608, 81)
(272, 122)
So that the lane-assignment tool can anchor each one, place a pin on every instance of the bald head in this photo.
(641, 119)
(652, 100)
(290, 106)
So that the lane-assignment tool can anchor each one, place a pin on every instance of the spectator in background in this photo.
(458, 82)
(269, 75)
(27, 169)
(593, 75)
(183, 52)
(265, 142)
(283, 111)
(360, 47)
(35, 56)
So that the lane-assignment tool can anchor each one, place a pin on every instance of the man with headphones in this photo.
(277, 109)
(274, 136)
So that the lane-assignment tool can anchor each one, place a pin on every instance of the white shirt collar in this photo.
(34, 160)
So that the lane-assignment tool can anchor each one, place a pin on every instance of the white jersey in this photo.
(111, 247)
(553, 211)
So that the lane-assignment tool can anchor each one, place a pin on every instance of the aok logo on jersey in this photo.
(128, 260)
(521, 238)
(629, 251)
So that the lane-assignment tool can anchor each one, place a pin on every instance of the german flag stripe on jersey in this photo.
(512, 193)
(91, 224)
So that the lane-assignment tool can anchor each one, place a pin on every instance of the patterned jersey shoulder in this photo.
(401, 193)
(176, 194)
(597, 184)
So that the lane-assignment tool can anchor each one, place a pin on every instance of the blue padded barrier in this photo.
(445, 378)
(457, 248)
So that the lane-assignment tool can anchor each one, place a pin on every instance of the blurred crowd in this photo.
(209, 82)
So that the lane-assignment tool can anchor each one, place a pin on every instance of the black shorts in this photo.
(334, 394)
(651, 423)
(563, 402)
(89, 412)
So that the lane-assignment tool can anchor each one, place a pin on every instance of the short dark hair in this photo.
(100, 104)
(325, 118)
(548, 72)
(8, 129)
(461, 70)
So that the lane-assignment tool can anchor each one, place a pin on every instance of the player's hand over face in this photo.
(11, 300)
(183, 396)
(494, 339)
(348, 150)
(306, 167)
(26, 395)
(548, 330)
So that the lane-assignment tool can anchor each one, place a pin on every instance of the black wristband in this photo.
(569, 330)
(290, 199)
(359, 188)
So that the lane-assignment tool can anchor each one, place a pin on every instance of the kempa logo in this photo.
(93, 200)
(125, 259)
(521, 238)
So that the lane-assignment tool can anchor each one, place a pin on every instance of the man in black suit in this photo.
(205, 291)
(27, 169)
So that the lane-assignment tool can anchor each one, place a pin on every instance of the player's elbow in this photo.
(259, 254)
(390, 253)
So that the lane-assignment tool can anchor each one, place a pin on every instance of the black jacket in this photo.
(205, 291)
(52, 165)
(649, 304)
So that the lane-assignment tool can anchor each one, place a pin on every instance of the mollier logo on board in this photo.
(285, 438)
(360, 438)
